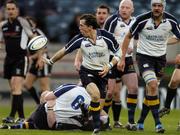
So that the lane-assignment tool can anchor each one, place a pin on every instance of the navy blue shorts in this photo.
(114, 73)
(156, 64)
(88, 76)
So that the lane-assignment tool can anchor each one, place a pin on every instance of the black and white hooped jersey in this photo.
(69, 97)
(153, 39)
(119, 28)
(95, 56)
(15, 36)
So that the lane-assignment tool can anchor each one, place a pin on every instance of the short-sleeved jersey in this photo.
(119, 28)
(95, 56)
(69, 96)
(15, 35)
(153, 39)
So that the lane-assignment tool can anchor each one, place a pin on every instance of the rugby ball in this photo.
(37, 43)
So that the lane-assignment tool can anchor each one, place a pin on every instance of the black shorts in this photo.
(114, 73)
(15, 66)
(156, 64)
(39, 118)
(87, 76)
(46, 71)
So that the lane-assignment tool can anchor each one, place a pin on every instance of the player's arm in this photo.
(51, 119)
(49, 98)
(57, 56)
(1, 36)
(78, 60)
(74, 44)
(26, 26)
(173, 41)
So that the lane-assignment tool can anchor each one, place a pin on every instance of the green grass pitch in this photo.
(169, 122)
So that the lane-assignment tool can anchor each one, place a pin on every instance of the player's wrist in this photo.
(50, 108)
(51, 62)
(110, 65)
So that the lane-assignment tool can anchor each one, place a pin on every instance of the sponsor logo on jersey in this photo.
(88, 45)
(149, 28)
(17, 28)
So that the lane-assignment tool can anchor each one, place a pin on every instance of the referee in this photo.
(14, 34)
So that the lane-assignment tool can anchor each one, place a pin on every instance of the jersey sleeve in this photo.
(111, 23)
(26, 26)
(73, 44)
(175, 28)
(139, 23)
(1, 33)
(110, 40)
(63, 89)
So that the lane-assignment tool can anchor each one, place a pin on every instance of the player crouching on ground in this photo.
(61, 110)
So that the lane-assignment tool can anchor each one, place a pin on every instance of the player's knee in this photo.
(153, 86)
(109, 95)
(95, 97)
(132, 89)
(173, 83)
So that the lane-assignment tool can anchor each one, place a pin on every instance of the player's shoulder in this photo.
(104, 33)
(3, 23)
(169, 16)
(113, 16)
(144, 16)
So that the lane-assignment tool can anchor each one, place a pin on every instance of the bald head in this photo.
(126, 8)
(126, 2)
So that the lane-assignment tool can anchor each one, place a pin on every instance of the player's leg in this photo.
(116, 105)
(28, 84)
(94, 107)
(108, 99)
(131, 82)
(171, 92)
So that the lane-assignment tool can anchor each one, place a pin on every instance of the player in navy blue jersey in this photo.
(154, 29)
(14, 32)
(119, 24)
(95, 45)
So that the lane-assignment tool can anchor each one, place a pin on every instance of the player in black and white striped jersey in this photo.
(37, 69)
(15, 32)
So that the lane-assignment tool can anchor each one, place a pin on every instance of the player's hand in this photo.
(177, 59)
(40, 63)
(129, 50)
(47, 61)
(121, 65)
(105, 70)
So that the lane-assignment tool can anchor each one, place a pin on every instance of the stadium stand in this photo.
(62, 12)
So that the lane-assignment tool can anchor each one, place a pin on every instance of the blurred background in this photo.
(57, 19)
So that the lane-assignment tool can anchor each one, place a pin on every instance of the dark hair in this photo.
(104, 7)
(90, 20)
(11, 2)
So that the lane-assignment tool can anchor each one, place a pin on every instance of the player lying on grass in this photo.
(61, 109)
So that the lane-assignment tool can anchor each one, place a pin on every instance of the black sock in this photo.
(116, 108)
(20, 108)
(171, 93)
(153, 102)
(34, 95)
(144, 112)
(95, 110)
(13, 106)
(131, 104)
(25, 125)
(107, 105)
